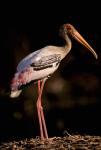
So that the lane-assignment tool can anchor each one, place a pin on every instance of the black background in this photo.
(26, 27)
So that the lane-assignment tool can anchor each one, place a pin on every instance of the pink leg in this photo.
(38, 110)
(43, 129)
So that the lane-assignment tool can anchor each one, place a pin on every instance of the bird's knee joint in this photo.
(39, 105)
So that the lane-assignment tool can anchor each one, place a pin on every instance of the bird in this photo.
(39, 65)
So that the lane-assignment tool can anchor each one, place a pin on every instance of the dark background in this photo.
(71, 97)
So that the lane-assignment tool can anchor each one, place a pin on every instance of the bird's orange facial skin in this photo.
(70, 29)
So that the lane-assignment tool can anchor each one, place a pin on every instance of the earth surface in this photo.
(69, 142)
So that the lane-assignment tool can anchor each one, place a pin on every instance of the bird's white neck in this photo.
(68, 45)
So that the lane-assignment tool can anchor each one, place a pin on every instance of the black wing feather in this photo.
(46, 62)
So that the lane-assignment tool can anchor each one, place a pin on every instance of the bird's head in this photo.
(69, 29)
(72, 32)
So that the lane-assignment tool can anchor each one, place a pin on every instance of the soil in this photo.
(70, 142)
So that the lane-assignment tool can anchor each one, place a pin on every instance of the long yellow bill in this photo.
(80, 39)
(74, 33)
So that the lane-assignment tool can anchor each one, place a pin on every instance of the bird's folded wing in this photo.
(46, 62)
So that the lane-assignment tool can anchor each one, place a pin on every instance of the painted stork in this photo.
(41, 64)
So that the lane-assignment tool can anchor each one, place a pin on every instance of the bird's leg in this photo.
(42, 114)
(40, 111)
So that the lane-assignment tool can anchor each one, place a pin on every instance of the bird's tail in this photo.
(15, 94)
(15, 84)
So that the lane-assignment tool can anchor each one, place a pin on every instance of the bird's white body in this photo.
(37, 65)
(37, 55)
